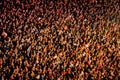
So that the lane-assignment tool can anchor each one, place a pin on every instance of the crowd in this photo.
(59, 39)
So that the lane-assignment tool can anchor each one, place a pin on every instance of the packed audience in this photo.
(59, 39)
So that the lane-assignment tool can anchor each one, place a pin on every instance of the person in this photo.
(59, 39)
